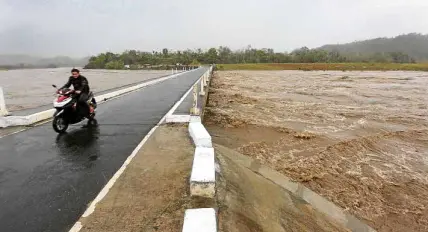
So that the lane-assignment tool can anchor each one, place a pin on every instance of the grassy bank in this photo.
(327, 66)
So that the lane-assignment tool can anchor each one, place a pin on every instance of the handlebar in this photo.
(70, 91)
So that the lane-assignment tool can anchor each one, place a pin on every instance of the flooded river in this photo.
(360, 139)
(31, 88)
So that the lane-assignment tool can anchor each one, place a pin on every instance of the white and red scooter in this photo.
(67, 111)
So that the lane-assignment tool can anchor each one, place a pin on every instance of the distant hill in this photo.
(17, 59)
(31, 61)
(415, 45)
(63, 61)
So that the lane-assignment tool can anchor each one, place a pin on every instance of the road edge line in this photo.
(104, 191)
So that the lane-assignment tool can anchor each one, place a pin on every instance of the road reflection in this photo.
(74, 144)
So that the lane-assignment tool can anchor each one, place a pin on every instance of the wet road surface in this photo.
(47, 180)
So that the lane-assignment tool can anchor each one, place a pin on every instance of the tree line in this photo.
(223, 55)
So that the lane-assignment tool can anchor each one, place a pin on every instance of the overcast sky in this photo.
(87, 27)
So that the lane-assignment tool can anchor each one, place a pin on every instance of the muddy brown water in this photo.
(31, 88)
(360, 139)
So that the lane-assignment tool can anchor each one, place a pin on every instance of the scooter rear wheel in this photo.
(59, 125)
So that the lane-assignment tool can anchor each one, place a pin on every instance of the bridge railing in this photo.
(200, 93)
(183, 69)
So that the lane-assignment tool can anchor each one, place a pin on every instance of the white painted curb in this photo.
(44, 115)
(195, 119)
(200, 220)
(200, 136)
(177, 118)
(202, 179)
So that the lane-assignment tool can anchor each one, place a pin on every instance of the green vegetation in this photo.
(327, 66)
(153, 60)
(390, 51)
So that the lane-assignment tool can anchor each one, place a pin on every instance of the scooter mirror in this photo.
(54, 86)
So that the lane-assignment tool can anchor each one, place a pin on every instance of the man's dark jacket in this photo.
(79, 83)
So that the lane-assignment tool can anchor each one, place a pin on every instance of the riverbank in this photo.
(327, 66)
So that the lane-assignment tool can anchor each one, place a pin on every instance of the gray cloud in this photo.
(81, 27)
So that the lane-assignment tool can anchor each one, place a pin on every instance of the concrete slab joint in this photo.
(202, 179)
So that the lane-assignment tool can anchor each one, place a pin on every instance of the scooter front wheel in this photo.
(92, 122)
(59, 125)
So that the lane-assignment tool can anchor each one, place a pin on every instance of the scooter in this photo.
(67, 110)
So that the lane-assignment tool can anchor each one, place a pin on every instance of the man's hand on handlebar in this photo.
(77, 91)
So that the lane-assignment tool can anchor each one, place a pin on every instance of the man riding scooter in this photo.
(81, 88)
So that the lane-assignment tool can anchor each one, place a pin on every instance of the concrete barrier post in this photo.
(202, 93)
(202, 179)
(3, 110)
(195, 110)
(205, 80)
(172, 71)
(200, 220)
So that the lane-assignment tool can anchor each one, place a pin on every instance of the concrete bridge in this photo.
(47, 180)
